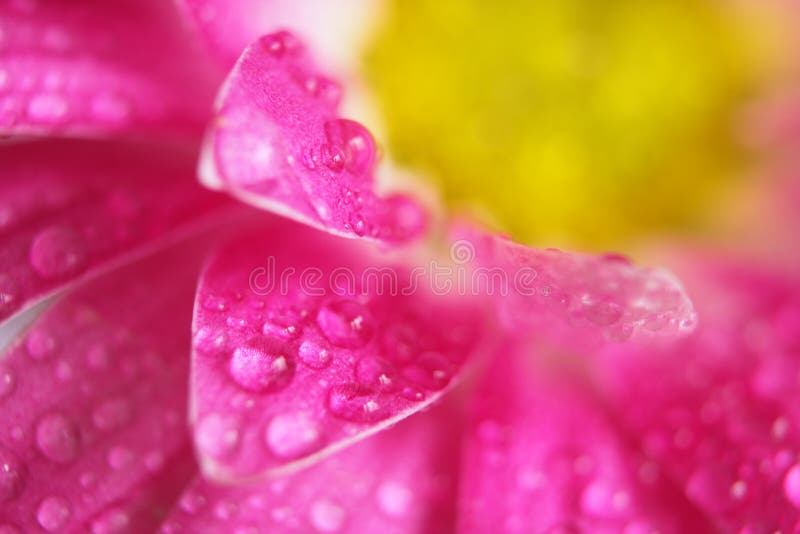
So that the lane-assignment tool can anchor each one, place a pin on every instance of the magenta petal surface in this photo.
(93, 403)
(286, 373)
(719, 410)
(277, 142)
(89, 67)
(541, 456)
(556, 294)
(69, 209)
(334, 30)
(400, 481)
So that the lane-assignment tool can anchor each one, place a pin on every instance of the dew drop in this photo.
(376, 373)
(355, 402)
(323, 89)
(293, 435)
(11, 478)
(280, 43)
(111, 522)
(110, 109)
(217, 435)
(40, 344)
(327, 516)
(120, 458)
(604, 500)
(603, 313)
(354, 142)
(57, 438)
(215, 303)
(345, 323)
(9, 293)
(313, 355)
(192, 502)
(57, 252)
(394, 499)
(8, 381)
(260, 367)
(53, 513)
(47, 108)
(431, 371)
(791, 485)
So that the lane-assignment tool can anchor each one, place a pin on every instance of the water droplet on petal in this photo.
(11, 478)
(791, 485)
(280, 43)
(313, 355)
(53, 513)
(217, 435)
(261, 366)
(293, 435)
(40, 344)
(376, 373)
(356, 403)
(324, 89)
(345, 323)
(354, 142)
(9, 293)
(57, 438)
(394, 499)
(215, 303)
(47, 108)
(327, 516)
(111, 522)
(57, 252)
(8, 381)
(120, 458)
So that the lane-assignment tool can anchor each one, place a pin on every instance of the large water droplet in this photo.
(217, 435)
(791, 485)
(11, 478)
(353, 142)
(313, 355)
(53, 513)
(57, 438)
(327, 516)
(376, 373)
(40, 344)
(431, 371)
(357, 403)
(345, 323)
(293, 435)
(57, 252)
(261, 366)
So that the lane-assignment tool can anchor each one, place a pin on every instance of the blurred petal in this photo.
(719, 410)
(93, 402)
(402, 481)
(305, 343)
(69, 209)
(558, 294)
(277, 142)
(90, 67)
(542, 457)
(333, 30)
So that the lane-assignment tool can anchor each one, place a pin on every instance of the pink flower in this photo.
(533, 390)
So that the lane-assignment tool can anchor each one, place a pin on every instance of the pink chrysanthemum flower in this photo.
(178, 361)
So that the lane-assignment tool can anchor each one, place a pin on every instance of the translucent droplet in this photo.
(217, 435)
(313, 355)
(8, 381)
(120, 457)
(280, 43)
(48, 108)
(111, 522)
(57, 438)
(40, 344)
(215, 303)
(324, 89)
(791, 485)
(354, 142)
(376, 373)
(53, 513)
(394, 499)
(57, 252)
(260, 367)
(327, 516)
(293, 435)
(9, 294)
(604, 500)
(11, 476)
(355, 402)
(345, 323)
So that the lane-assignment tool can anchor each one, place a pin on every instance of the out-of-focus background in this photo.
(587, 124)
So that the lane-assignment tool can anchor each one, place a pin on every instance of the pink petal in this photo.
(719, 410)
(400, 481)
(69, 209)
(93, 401)
(287, 373)
(558, 294)
(334, 30)
(88, 67)
(278, 142)
(542, 457)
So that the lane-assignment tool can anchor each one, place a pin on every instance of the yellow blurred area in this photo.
(574, 122)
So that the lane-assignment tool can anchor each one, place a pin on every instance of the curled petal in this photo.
(277, 142)
(69, 209)
(305, 343)
(719, 410)
(401, 481)
(334, 30)
(556, 293)
(92, 68)
(93, 403)
(541, 457)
